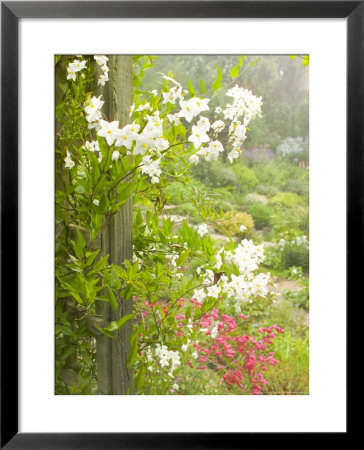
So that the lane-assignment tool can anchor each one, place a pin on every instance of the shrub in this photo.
(295, 252)
(261, 215)
(287, 199)
(231, 227)
(214, 174)
(245, 177)
(178, 193)
(188, 209)
(269, 191)
(298, 186)
(255, 198)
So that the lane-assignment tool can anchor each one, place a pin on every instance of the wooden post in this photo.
(111, 354)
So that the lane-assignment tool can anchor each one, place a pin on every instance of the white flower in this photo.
(174, 119)
(127, 135)
(202, 229)
(218, 126)
(101, 59)
(184, 347)
(242, 228)
(211, 153)
(109, 130)
(93, 109)
(145, 107)
(96, 202)
(199, 295)
(79, 65)
(203, 124)
(103, 78)
(198, 137)
(187, 110)
(68, 161)
(194, 159)
(71, 74)
(115, 155)
(90, 146)
(74, 67)
(142, 144)
(214, 331)
(154, 92)
(213, 291)
(172, 95)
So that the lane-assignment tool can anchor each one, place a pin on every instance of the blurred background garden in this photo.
(266, 190)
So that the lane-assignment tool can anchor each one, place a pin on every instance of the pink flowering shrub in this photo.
(239, 358)
(211, 340)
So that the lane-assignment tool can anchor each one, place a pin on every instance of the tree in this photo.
(112, 373)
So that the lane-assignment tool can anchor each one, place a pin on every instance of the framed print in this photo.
(195, 222)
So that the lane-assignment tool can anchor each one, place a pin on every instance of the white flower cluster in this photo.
(74, 67)
(246, 106)
(150, 141)
(166, 358)
(291, 146)
(101, 61)
(238, 288)
(93, 112)
(299, 240)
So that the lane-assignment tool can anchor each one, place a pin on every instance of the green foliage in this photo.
(269, 191)
(292, 378)
(295, 255)
(217, 83)
(287, 199)
(231, 227)
(166, 255)
(300, 298)
(261, 214)
(246, 178)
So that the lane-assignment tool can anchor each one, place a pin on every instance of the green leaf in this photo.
(306, 60)
(112, 299)
(292, 56)
(80, 239)
(133, 353)
(101, 264)
(203, 87)
(183, 256)
(254, 62)
(91, 256)
(234, 72)
(240, 61)
(217, 83)
(57, 58)
(116, 325)
(191, 89)
(124, 191)
(114, 279)
(188, 312)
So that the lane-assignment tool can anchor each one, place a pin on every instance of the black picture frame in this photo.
(11, 12)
